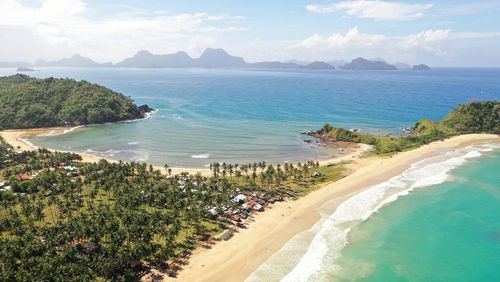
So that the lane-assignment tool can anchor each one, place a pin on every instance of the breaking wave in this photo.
(311, 255)
(200, 156)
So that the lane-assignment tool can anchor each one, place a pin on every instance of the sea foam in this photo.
(71, 129)
(59, 132)
(200, 156)
(317, 249)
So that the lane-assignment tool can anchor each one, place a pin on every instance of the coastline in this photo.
(236, 259)
(16, 138)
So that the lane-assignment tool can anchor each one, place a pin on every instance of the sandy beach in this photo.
(18, 139)
(237, 258)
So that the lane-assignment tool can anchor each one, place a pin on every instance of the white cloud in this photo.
(433, 41)
(380, 10)
(62, 27)
(352, 38)
(412, 48)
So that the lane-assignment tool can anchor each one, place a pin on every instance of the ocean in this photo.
(437, 221)
(244, 116)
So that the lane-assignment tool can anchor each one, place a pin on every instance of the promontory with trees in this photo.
(473, 117)
(27, 102)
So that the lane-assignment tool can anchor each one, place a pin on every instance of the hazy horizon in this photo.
(440, 34)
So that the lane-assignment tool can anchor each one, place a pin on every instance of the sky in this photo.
(438, 33)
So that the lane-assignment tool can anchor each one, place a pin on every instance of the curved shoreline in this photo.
(236, 259)
(16, 138)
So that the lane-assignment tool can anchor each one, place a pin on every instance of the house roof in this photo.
(251, 203)
(24, 177)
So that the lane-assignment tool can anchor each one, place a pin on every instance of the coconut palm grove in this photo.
(65, 220)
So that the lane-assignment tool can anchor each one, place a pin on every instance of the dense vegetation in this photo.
(27, 102)
(115, 221)
(474, 117)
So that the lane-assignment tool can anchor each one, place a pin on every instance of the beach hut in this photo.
(24, 177)
(246, 207)
(212, 211)
(251, 204)
(244, 214)
(70, 168)
(316, 174)
(258, 207)
(240, 198)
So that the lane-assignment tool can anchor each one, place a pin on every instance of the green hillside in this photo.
(27, 102)
(474, 117)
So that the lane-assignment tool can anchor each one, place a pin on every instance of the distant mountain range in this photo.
(421, 67)
(210, 58)
(76, 61)
(402, 66)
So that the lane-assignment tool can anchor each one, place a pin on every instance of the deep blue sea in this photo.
(240, 116)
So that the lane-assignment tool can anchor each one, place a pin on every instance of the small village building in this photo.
(245, 207)
(212, 211)
(240, 198)
(316, 174)
(70, 168)
(251, 203)
(24, 177)
(258, 207)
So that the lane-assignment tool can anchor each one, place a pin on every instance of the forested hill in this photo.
(27, 102)
(474, 117)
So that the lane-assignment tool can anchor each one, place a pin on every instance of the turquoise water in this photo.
(450, 232)
(437, 221)
(240, 116)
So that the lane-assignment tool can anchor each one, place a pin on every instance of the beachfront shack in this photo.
(240, 199)
(245, 207)
(70, 168)
(24, 177)
(258, 207)
(212, 211)
(254, 205)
